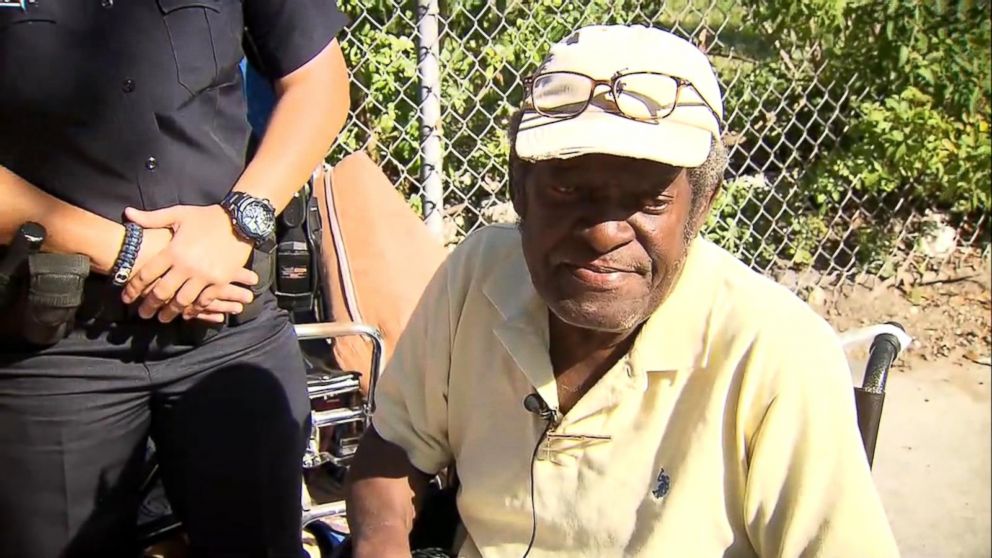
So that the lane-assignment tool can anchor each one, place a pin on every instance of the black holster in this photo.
(44, 303)
(297, 252)
(8, 290)
(264, 265)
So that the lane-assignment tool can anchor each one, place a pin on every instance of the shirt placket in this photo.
(136, 125)
(566, 442)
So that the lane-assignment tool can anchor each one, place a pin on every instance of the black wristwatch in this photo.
(254, 219)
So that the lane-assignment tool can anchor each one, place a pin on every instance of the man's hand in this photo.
(197, 267)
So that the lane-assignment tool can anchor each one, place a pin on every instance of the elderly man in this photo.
(606, 382)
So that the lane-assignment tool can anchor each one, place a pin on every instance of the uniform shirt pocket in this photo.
(26, 36)
(192, 41)
(11, 16)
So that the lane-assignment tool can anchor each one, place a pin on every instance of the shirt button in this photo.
(151, 163)
(128, 85)
(107, 3)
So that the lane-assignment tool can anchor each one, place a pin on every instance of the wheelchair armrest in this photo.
(329, 330)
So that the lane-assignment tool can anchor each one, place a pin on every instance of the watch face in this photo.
(257, 219)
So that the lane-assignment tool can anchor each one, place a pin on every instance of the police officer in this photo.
(123, 133)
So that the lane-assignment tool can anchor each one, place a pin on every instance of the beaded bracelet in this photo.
(121, 272)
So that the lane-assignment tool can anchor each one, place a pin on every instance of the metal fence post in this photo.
(431, 158)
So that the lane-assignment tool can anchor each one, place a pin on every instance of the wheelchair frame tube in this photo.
(330, 330)
(330, 509)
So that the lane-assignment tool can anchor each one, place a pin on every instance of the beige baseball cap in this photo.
(671, 121)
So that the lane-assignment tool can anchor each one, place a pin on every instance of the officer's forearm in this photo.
(383, 488)
(310, 112)
(71, 230)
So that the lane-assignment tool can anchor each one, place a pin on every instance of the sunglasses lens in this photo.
(560, 94)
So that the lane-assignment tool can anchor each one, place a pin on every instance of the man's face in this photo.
(604, 236)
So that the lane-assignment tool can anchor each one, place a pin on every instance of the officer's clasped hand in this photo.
(198, 273)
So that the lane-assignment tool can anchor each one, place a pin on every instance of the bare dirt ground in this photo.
(932, 463)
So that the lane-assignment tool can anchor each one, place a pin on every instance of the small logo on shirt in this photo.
(662, 485)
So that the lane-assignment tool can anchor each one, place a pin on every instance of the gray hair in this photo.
(707, 177)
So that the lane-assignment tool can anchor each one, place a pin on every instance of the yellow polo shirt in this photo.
(731, 421)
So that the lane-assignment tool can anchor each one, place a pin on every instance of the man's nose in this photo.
(605, 235)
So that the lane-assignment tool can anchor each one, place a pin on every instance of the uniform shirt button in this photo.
(107, 3)
(128, 85)
(151, 163)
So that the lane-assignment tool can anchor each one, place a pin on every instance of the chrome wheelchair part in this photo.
(330, 330)
(330, 509)
(337, 416)
(322, 385)
(329, 385)
(316, 459)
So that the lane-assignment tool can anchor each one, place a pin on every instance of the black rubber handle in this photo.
(870, 397)
(27, 240)
(884, 350)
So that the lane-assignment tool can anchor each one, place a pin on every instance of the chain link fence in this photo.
(434, 86)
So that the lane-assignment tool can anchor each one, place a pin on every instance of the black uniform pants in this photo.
(228, 418)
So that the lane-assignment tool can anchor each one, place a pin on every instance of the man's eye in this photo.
(563, 189)
(657, 204)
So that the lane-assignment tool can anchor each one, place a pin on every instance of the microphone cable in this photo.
(535, 405)
(533, 504)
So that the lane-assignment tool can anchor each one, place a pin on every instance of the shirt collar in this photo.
(677, 335)
(523, 330)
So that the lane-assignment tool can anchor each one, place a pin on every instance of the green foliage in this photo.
(940, 48)
(904, 86)
(907, 145)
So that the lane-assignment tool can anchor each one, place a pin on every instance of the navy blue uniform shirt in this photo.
(113, 103)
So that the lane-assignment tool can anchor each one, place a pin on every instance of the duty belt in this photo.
(45, 299)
